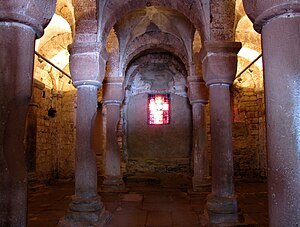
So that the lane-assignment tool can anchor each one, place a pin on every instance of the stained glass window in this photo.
(158, 109)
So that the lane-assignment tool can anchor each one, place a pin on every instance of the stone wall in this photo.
(249, 139)
(158, 148)
(52, 117)
(66, 135)
(249, 133)
(55, 135)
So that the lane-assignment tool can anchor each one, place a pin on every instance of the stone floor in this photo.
(145, 205)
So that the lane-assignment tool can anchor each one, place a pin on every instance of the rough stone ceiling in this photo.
(154, 28)
(153, 18)
(135, 28)
(112, 11)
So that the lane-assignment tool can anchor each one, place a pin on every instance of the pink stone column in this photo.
(219, 69)
(198, 96)
(86, 208)
(113, 97)
(20, 23)
(278, 22)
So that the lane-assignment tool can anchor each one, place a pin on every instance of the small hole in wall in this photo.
(52, 112)
(44, 94)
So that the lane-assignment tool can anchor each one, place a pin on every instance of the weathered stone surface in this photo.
(219, 68)
(222, 20)
(113, 97)
(159, 144)
(198, 96)
(276, 21)
(86, 207)
(26, 20)
(35, 13)
(214, 56)
(197, 91)
(89, 55)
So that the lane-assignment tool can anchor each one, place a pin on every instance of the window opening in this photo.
(158, 109)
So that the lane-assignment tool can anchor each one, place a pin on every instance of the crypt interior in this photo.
(193, 96)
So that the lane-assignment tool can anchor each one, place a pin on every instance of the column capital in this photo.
(197, 90)
(33, 13)
(261, 12)
(87, 63)
(113, 90)
(219, 61)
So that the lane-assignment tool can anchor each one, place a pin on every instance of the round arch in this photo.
(166, 47)
(113, 11)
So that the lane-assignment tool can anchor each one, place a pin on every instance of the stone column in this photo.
(278, 22)
(113, 97)
(198, 96)
(31, 129)
(20, 23)
(219, 69)
(86, 208)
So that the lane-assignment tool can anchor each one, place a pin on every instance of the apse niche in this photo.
(157, 116)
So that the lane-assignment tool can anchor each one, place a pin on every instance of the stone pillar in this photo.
(219, 61)
(31, 129)
(278, 22)
(113, 97)
(86, 208)
(198, 96)
(20, 23)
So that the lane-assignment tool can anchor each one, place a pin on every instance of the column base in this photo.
(201, 184)
(223, 210)
(85, 212)
(205, 222)
(113, 184)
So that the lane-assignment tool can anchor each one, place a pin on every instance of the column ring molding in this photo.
(87, 83)
(112, 103)
(219, 83)
(275, 12)
(23, 19)
(199, 101)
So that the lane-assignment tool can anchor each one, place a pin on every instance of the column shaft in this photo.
(112, 155)
(31, 129)
(113, 96)
(16, 66)
(113, 178)
(86, 167)
(201, 179)
(281, 47)
(198, 96)
(222, 204)
(219, 67)
(221, 136)
(86, 208)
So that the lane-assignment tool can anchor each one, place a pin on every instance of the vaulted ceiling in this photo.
(131, 28)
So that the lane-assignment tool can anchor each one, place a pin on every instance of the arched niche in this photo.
(157, 149)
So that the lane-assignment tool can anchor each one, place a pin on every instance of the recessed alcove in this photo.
(157, 148)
